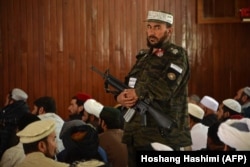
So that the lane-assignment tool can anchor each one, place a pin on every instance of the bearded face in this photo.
(154, 42)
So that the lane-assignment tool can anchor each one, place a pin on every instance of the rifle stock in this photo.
(162, 120)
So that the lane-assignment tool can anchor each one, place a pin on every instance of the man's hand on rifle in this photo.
(127, 98)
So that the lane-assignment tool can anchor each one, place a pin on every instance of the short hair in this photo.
(48, 103)
(78, 101)
(33, 147)
(231, 112)
(195, 119)
(112, 124)
(26, 119)
(212, 133)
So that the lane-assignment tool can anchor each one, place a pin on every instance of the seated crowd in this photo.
(92, 134)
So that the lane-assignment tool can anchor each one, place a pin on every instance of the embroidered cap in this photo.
(195, 111)
(233, 105)
(93, 107)
(36, 131)
(160, 16)
(246, 90)
(210, 103)
(18, 94)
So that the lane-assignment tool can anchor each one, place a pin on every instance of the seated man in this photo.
(81, 143)
(197, 129)
(111, 137)
(229, 109)
(15, 154)
(243, 97)
(213, 141)
(235, 134)
(15, 107)
(76, 110)
(39, 145)
(45, 108)
(210, 107)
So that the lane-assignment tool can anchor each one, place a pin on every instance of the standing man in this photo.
(160, 76)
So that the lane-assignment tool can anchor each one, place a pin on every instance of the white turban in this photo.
(236, 133)
(91, 106)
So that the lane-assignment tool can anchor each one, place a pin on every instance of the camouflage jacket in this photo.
(162, 77)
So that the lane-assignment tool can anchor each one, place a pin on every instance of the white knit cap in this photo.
(233, 105)
(18, 94)
(160, 147)
(236, 133)
(246, 90)
(160, 16)
(210, 103)
(195, 111)
(93, 107)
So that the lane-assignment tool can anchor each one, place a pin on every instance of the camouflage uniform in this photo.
(162, 77)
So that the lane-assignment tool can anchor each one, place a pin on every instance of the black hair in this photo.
(48, 103)
(212, 133)
(231, 112)
(26, 119)
(78, 101)
(33, 147)
(196, 120)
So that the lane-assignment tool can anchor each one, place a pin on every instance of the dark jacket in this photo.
(9, 118)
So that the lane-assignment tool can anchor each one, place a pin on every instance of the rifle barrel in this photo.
(93, 68)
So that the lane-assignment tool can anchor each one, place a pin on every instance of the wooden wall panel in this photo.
(47, 47)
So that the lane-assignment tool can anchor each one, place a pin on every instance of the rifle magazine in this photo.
(129, 114)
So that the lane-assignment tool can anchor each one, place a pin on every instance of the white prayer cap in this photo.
(36, 131)
(210, 103)
(93, 107)
(246, 90)
(160, 147)
(233, 105)
(18, 94)
(195, 111)
(236, 133)
(160, 16)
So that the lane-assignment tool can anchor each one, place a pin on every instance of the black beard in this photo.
(99, 129)
(76, 116)
(158, 44)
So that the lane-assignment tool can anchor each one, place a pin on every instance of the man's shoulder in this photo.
(175, 50)
(142, 52)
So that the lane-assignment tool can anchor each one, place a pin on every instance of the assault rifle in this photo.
(142, 106)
